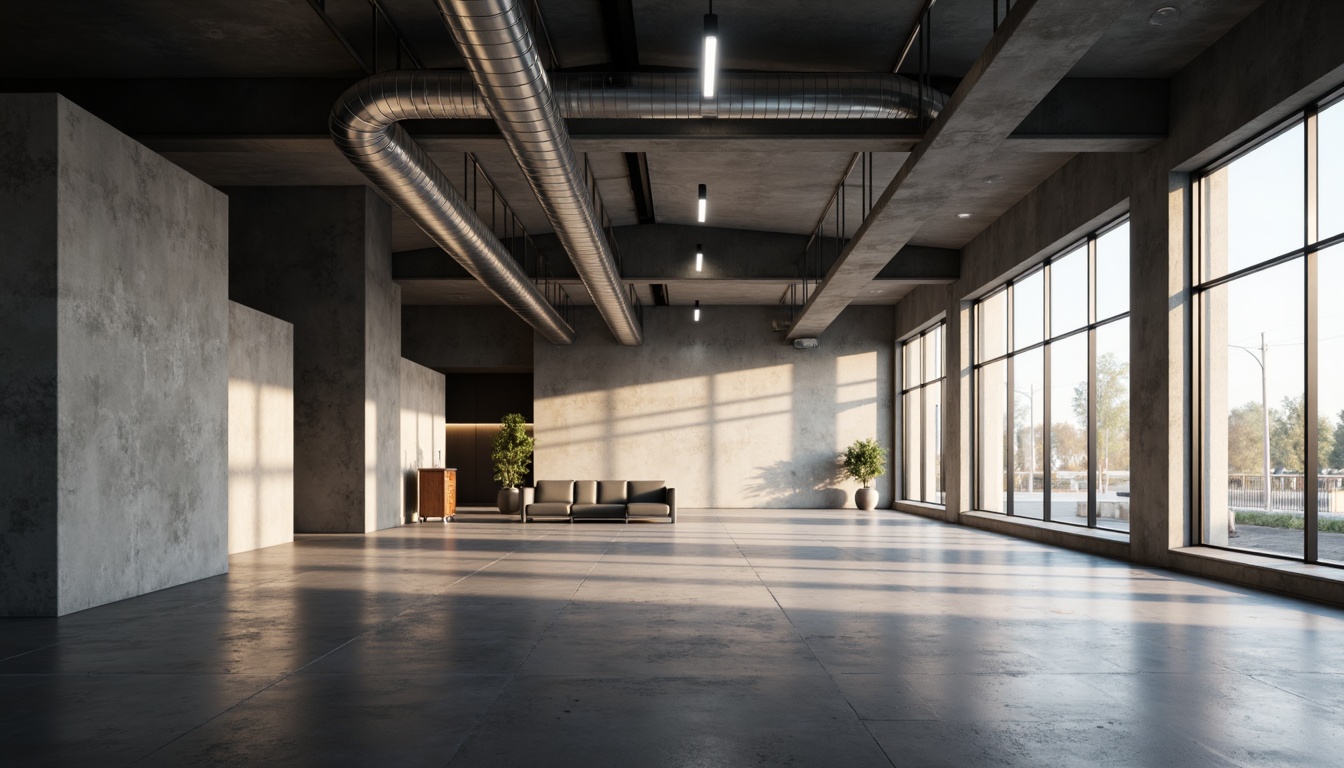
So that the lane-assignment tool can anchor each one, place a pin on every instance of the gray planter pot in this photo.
(509, 501)
(866, 498)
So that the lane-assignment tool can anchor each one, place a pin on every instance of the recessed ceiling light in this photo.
(878, 290)
(963, 215)
(1164, 15)
(995, 179)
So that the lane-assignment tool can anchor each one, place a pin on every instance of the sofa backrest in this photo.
(549, 491)
(611, 492)
(647, 492)
(585, 492)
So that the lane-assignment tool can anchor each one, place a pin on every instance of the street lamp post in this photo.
(1264, 413)
(1031, 436)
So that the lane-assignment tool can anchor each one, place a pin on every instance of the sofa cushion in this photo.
(549, 491)
(647, 509)
(585, 492)
(648, 492)
(588, 511)
(548, 509)
(611, 492)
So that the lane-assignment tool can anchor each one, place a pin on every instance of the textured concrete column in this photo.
(1216, 521)
(113, 365)
(1160, 327)
(320, 258)
(958, 459)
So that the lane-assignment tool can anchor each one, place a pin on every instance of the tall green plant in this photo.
(511, 450)
(864, 460)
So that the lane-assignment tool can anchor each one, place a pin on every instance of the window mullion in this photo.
(1311, 449)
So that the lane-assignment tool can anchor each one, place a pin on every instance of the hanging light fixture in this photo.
(699, 257)
(704, 201)
(711, 52)
(697, 311)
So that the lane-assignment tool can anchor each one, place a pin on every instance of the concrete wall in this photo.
(422, 435)
(467, 338)
(723, 409)
(320, 258)
(114, 350)
(261, 430)
(1271, 65)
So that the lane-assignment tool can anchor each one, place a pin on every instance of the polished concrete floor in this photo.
(735, 638)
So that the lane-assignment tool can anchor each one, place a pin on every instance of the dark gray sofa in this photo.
(600, 500)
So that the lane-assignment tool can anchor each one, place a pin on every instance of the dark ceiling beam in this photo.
(290, 114)
(1024, 61)
(618, 23)
(655, 252)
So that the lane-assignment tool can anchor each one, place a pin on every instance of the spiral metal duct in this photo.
(501, 57)
(364, 126)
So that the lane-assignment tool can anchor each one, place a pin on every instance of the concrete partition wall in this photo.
(113, 365)
(261, 430)
(320, 258)
(722, 409)
(422, 435)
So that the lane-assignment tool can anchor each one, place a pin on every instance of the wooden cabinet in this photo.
(438, 493)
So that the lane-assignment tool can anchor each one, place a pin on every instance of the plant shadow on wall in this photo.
(797, 484)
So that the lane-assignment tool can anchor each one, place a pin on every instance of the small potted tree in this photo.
(863, 461)
(511, 452)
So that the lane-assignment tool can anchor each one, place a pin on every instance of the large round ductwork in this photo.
(502, 59)
(364, 126)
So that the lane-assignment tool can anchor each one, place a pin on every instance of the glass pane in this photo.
(1330, 377)
(1253, 207)
(1113, 272)
(911, 373)
(1112, 388)
(913, 446)
(1028, 421)
(933, 444)
(1029, 310)
(991, 316)
(1254, 320)
(1068, 430)
(930, 356)
(937, 337)
(1330, 165)
(1068, 292)
(991, 437)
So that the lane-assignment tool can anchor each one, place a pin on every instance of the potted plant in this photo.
(863, 461)
(511, 452)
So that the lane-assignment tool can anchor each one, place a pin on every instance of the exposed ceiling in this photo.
(776, 179)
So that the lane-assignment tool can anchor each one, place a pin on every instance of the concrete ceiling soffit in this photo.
(1037, 45)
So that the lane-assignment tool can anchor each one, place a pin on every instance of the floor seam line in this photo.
(476, 727)
(287, 675)
(803, 640)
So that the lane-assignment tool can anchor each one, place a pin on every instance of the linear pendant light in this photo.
(699, 257)
(709, 66)
(703, 204)
(697, 311)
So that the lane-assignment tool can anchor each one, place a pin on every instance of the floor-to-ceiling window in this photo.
(1051, 409)
(1270, 304)
(921, 414)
